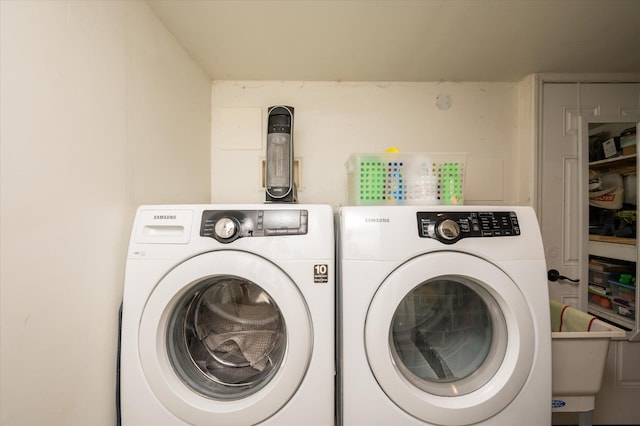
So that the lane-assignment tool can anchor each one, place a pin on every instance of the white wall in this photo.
(101, 110)
(489, 121)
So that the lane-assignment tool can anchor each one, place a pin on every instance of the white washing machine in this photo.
(228, 316)
(444, 317)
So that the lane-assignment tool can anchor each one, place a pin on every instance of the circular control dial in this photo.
(226, 229)
(447, 231)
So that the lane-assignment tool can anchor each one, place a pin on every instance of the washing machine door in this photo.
(225, 338)
(450, 338)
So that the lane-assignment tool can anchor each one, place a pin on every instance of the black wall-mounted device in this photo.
(279, 183)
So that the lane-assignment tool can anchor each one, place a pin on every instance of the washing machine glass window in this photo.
(226, 337)
(448, 336)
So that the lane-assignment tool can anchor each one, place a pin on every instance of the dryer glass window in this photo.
(226, 338)
(448, 336)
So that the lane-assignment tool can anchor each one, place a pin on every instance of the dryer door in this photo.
(225, 338)
(450, 338)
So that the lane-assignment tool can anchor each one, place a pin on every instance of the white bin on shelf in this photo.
(579, 344)
(395, 178)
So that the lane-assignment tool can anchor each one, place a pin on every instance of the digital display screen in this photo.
(289, 219)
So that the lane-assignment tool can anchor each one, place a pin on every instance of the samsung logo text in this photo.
(164, 217)
(376, 220)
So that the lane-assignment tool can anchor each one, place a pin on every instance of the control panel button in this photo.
(448, 230)
(226, 228)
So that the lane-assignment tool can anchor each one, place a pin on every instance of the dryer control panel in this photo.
(227, 226)
(449, 227)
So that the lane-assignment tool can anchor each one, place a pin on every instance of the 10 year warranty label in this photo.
(320, 274)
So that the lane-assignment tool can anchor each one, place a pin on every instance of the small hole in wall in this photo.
(297, 165)
(443, 102)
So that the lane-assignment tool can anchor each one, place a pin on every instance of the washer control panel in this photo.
(227, 226)
(449, 227)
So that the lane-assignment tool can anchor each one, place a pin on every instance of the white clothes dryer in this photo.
(228, 316)
(444, 317)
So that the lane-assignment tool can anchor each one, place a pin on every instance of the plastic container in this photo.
(418, 178)
(602, 278)
(578, 362)
(599, 299)
(624, 310)
(623, 294)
